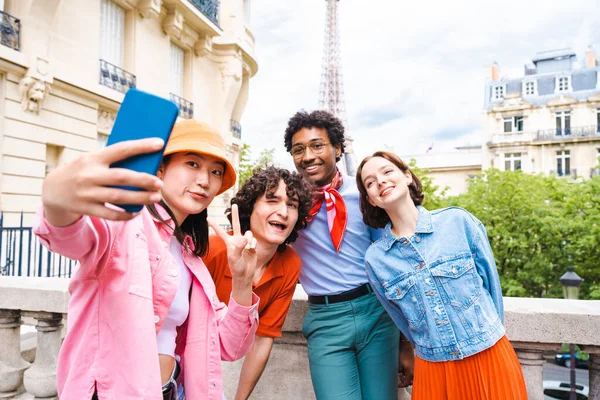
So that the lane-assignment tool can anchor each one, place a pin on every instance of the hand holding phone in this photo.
(142, 115)
(123, 173)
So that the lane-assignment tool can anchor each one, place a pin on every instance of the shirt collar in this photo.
(162, 212)
(424, 225)
(275, 269)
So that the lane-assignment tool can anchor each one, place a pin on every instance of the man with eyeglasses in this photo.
(352, 342)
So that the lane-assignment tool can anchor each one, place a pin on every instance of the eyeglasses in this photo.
(315, 147)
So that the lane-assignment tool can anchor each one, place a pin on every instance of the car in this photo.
(564, 358)
(561, 390)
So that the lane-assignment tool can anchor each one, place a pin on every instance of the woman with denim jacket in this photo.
(143, 311)
(435, 274)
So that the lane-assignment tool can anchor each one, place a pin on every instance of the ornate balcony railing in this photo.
(566, 133)
(116, 78)
(512, 137)
(186, 108)
(547, 134)
(210, 8)
(236, 129)
(10, 31)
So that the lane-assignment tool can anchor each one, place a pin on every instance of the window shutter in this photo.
(176, 70)
(112, 33)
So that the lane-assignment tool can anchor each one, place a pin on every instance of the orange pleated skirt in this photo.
(493, 374)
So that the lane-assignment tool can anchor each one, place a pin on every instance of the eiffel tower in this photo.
(331, 94)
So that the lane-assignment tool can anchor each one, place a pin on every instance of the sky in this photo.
(414, 71)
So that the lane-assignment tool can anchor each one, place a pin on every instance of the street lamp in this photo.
(571, 282)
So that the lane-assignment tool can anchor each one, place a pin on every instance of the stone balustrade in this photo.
(533, 326)
(45, 300)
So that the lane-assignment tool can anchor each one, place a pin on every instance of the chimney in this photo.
(590, 58)
(495, 72)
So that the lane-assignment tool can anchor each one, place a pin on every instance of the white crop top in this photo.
(180, 307)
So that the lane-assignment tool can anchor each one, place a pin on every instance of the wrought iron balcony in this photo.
(512, 137)
(210, 8)
(116, 78)
(567, 133)
(186, 108)
(10, 31)
(236, 129)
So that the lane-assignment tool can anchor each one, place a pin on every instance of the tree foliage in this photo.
(537, 226)
(246, 168)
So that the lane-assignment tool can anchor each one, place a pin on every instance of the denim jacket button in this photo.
(398, 291)
(404, 241)
(454, 271)
(418, 239)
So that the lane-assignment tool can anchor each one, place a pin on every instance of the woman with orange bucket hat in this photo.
(143, 311)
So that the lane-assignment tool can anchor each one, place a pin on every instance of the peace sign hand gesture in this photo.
(241, 255)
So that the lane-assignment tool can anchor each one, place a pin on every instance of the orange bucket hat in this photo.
(198, 137)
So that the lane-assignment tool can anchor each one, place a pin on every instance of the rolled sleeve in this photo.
(237, 329)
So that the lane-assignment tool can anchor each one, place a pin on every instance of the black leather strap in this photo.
(345, 296)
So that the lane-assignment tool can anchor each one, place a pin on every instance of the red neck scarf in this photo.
(337, 216)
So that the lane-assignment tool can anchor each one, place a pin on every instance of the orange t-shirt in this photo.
(275, 288)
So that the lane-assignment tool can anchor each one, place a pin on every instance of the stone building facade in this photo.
(66, 64)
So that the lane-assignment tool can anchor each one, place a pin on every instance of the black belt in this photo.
(345, 296)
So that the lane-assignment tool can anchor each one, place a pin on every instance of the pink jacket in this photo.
(119, 297)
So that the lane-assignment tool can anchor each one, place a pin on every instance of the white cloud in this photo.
(413, 71)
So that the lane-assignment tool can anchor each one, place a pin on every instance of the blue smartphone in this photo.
(142, 115)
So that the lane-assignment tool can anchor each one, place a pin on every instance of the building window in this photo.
(598, 119)
(513, 124)
(563, 123)
(112, 33)
(512, 161)
(176, 70)
(498, 92)
(530, 88)
(563, 84)
(563, 162)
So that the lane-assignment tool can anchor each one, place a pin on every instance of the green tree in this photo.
(537, 226)
(246, 168)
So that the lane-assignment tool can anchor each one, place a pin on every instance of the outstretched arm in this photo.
(254, 365)
(83, 186)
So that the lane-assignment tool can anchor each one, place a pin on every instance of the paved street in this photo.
(553, 372)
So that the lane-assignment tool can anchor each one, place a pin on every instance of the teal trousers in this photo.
(352, 350)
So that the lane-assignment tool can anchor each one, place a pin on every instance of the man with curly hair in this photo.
(274, 205)
(352, 342)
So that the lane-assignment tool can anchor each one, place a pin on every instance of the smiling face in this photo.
(191, 182)
(318, 168)
(385, 183)
(274, 216)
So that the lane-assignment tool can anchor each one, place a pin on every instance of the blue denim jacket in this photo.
(440, 286)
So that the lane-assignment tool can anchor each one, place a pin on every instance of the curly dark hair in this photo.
(374, 216)
(316, 119)
(266, 181)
